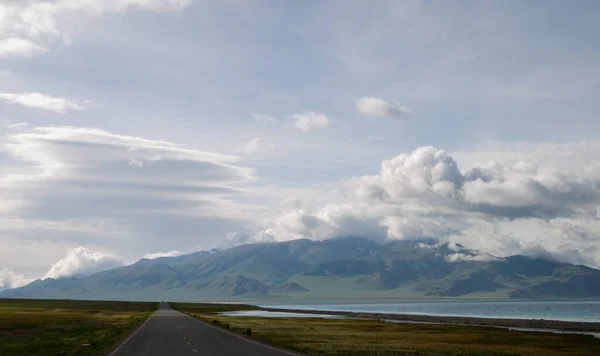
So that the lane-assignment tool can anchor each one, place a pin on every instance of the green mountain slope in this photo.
(340, 269)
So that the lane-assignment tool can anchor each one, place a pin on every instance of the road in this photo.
(169, 332)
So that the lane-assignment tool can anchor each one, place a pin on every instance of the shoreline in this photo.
(548, 325)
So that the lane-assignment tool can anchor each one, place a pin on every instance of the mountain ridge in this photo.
(344, 267)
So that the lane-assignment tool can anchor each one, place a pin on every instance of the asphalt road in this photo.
(169, 332)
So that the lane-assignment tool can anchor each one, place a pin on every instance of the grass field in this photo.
(67, 327)
(361, 337)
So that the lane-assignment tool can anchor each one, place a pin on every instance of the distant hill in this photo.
(340, 268)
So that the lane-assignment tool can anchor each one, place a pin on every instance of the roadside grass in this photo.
(374, 338)
(67, 327)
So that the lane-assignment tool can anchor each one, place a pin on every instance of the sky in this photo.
(147, 128)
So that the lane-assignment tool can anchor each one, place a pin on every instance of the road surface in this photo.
(171, 333)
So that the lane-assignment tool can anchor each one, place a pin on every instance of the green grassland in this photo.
(67, 327)
(374, 338)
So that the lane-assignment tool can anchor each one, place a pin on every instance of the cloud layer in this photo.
(28, 27)
(116, 190)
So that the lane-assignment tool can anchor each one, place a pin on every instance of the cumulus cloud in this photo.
(257, 145)
(331, 221)
(308, 121)
(28, 27)
(41, 101)
(152, 256)
(378, 107)
(10, 279)
(82, 260)
(519, 191)
(500, 209)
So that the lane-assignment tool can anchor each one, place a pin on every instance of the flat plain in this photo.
(67, 327)
(371, 337)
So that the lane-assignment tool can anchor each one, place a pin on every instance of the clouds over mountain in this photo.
(152, 256)
(10, 279)
(425, 194)
(118, 190)
(82, 260)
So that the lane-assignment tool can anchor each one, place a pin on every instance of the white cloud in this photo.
(19, 47)
(152, 256)
(10, 279)
(498, 209)
(308, 121)
(333, 220)
(257, 145)
(136, 163)
(41, 101)
(28, 27)
(377, 107)
(481, 257)
(82, 260)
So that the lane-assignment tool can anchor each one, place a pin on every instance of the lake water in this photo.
(270, 314)
(550, 310)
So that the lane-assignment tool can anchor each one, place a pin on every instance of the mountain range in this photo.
(338, 269)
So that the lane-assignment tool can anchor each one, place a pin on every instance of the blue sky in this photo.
(168, 126)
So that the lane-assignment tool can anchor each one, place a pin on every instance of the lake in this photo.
(271, 314)
(550, 310)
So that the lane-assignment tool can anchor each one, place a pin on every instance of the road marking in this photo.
(196, 351)
(189, 343)
(185, 338)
